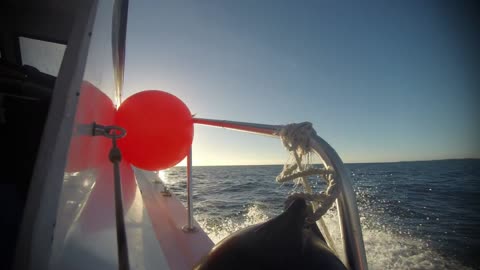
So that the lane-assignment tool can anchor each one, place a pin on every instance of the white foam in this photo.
(385, 249)
(218, 232)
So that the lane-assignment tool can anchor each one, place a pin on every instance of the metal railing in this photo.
(189, 227)
(349, 220)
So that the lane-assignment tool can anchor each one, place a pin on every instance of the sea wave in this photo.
(385, 249)
(414, 215)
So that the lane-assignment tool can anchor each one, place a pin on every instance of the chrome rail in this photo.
(269, 130)
(189, 227)
(349, 219)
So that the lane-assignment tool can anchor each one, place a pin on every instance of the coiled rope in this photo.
(297, 139)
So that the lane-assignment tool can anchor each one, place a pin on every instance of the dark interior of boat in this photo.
(25, 95)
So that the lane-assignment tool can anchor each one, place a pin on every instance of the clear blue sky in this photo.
(383, 81)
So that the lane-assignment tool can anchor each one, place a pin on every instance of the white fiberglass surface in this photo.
(85, 233)
(99, 68)
(90, 241)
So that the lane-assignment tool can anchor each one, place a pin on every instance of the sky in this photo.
(381, 81)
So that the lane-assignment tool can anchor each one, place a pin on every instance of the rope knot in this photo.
(115, 155)
(296, 137)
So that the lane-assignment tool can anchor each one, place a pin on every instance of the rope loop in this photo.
(324, 199)
(297, 139)
(288, 176)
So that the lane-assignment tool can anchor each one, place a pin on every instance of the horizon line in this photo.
(368, 162)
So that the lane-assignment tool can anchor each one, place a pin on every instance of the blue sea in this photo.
(414, 215)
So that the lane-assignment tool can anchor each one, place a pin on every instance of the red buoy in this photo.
(159, 130)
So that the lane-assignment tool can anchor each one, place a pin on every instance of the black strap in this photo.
(115, 157)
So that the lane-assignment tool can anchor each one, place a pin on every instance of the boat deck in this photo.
(85, 235)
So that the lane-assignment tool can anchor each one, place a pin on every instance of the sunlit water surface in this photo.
(415, 215)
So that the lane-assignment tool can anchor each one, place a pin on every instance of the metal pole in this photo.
(122, 246)
(270, 130)
(320, 222)
(347, 207)
(189, 227)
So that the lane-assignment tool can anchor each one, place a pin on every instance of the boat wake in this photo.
(385, 248)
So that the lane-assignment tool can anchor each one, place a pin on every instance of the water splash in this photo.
(219, 231)
(385, 248)
(409, 215)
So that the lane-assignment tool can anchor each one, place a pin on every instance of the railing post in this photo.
(189, 227)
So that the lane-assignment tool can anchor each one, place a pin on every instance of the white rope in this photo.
(324, 199)
(296, 138)
(283, 177)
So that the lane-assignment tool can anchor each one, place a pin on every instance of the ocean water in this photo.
(414, 215)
